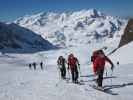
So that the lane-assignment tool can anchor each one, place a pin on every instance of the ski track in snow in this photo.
(17, 82)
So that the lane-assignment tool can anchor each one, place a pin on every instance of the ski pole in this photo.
(68, 74)
(59, 72)
(79, 72)
(79, 69)
(58, 69)
(106, 72)
(111, 76)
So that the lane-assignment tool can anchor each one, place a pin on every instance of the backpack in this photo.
(61, 61)
(96, 54)
(72, 61)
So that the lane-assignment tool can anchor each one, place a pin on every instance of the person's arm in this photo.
(78, 62)
(95, 65)
(78, 66)
(111, 63)
(58, 62)
(66, 61)
(91, 59)
(68, 64)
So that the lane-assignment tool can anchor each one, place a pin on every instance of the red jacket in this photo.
(72, 62)
(95, 54)
(99, 63)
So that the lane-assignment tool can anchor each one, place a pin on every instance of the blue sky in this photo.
(12, 9)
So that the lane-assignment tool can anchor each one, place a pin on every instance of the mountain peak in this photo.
(95, 13)
(79, 27)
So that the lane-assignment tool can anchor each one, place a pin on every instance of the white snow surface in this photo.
(124, 54)
(18, 82)
(74, 28)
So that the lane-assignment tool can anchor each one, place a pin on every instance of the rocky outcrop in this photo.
(14, 38)
(128, 34)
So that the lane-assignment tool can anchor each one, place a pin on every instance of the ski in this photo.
(77, 83)
(95, 87)
(68, 81)
(104, 90)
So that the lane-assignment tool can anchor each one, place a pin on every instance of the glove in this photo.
(112, 67)
(96, 73)
(67, 68)
(79, 65)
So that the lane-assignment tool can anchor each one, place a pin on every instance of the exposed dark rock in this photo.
(128, 34)
(14, 38)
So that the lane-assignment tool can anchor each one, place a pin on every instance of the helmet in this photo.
(101, 51)
(71, 55)
(60, 57)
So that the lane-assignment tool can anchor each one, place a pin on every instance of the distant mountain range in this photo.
(74, 28)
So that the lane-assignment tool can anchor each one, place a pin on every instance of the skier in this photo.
(73, 65)
(34, 65)
(30, 65)
(41, 65)
(99, 60)
(61, 65)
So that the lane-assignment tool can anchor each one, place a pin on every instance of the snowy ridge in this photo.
(74, 28)
(14, 37)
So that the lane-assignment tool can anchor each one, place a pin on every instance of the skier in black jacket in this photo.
(61, 65)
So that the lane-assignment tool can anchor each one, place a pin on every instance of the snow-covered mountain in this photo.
(74, 28)
(14, 37)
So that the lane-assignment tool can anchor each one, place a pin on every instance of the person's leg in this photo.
(34, 67)
(100, 77)
(64, 73)
(42, 67)
(29, 66)
(76, 75)
(61, 70)
(72, 72)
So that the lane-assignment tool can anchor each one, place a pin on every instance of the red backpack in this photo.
(95, 55)
(72, 62)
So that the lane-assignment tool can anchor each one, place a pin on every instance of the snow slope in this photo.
(124, 54)
(74, 28)
(17, 82)
(14, 37)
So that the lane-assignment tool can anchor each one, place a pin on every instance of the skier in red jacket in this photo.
(99, 60)
(73, 65)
